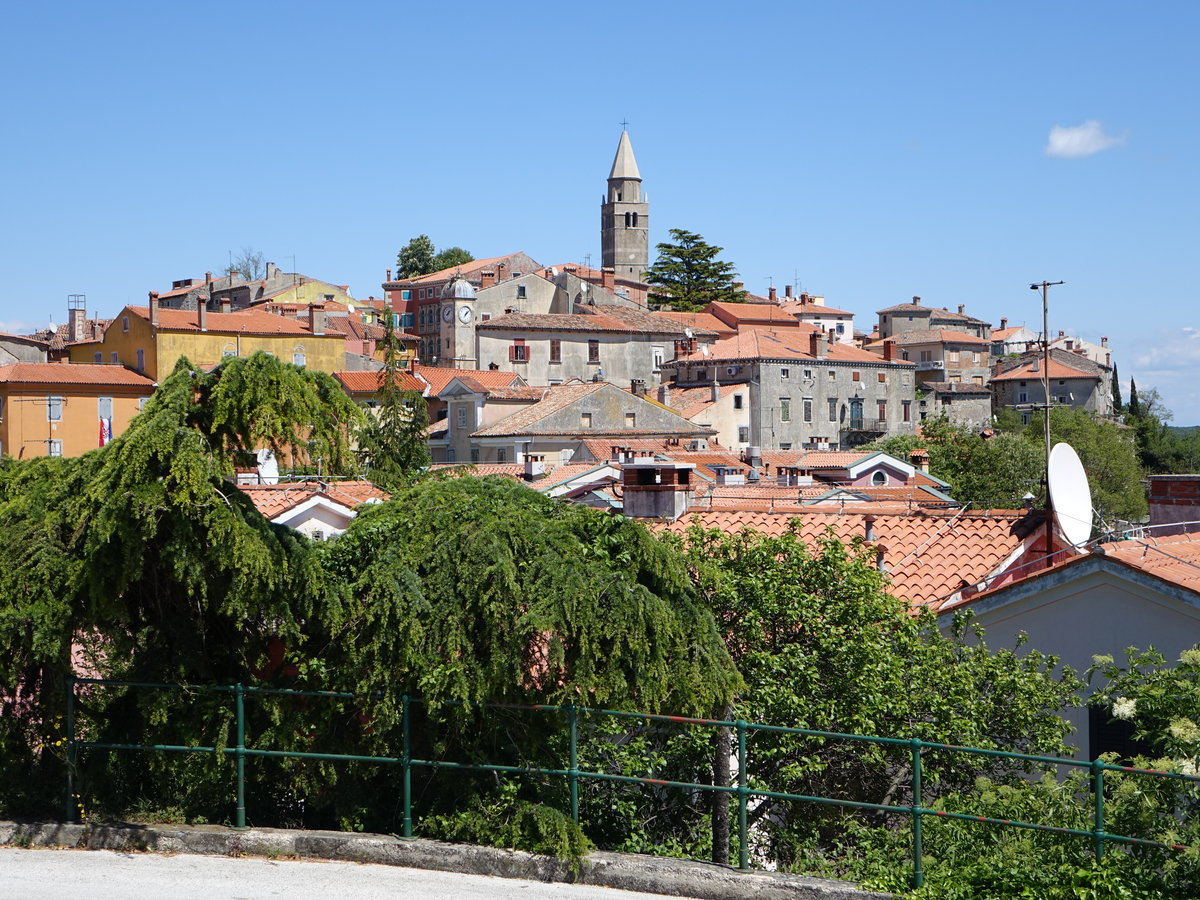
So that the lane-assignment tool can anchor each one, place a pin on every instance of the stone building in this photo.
(625, 217)
(1074, 381)
(915, 317)
(942, 355)
(805, 389)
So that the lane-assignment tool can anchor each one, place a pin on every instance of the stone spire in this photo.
(625, 217)
(624, 167)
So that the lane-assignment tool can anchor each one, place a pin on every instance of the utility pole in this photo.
(1045, 288)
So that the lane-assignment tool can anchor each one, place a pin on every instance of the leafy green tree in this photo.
(450, 257)
(688, 276)
(415, 258)
(418, 257)
(823, 645)
(392, 441)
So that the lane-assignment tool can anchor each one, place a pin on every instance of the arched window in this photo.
(628, 220)
(635, 220)
(298, 357)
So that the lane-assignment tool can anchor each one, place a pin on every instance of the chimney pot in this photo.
(889, 351)
(787, 290)
(817, 345)
(962, 308)
(771, 294)
(1003, 323)
(316, 320)
(608, 277)
(916, 301)
(202, 313)
(154, 307)
(226, 305)
(389, 274)
(487, 279)
(1104, 342)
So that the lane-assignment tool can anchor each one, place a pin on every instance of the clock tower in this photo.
(456, 327)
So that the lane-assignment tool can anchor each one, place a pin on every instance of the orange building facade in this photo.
(58, 409)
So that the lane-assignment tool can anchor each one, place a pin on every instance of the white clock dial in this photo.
(447, 314)
(464, 314)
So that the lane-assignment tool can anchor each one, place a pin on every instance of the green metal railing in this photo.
(573, 774)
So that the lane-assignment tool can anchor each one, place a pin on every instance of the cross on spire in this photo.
(624, 125)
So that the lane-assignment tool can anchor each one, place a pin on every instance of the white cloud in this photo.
(14, 326)
(1082, 140)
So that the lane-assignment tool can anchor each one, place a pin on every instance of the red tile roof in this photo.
(467, 269)
(1026, 372)
(930, 555)
(73, 373)
(699, 322)
(273, 500)
(798, 308)
(932, 336)
(757, 343)
(440, 376)
(248, 321)
(371, 382)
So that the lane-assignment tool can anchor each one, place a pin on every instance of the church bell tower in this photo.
(625, 217)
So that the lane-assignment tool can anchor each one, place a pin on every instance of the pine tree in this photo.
(1116, 391)
(393, 441)
(688, 276)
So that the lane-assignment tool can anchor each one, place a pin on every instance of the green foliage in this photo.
(687, 275)
(1162, 450)
(822, 645)
(392, 441)
(418, 257)
(992, 473)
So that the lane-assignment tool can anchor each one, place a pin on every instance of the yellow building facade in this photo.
(151, 340)
(61, 409)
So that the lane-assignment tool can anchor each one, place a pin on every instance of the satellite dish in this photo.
(268, 467)
(1070, 495)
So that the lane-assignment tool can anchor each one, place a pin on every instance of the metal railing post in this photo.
(406, 762)
(240, 757)
(742, 792)
(72, 805)
(573, 772)
(918, 864)
(1098, 819)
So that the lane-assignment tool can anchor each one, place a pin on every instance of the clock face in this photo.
(464, 314)
(447, 313)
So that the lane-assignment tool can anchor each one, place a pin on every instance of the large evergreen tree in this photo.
(393, 441)
(688, 275)
(418, 257)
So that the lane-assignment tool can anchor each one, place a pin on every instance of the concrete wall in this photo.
(624, 356)
(25, 427)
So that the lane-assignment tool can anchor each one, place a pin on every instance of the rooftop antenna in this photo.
(1045, 286)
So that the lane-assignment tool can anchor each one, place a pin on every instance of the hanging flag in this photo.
(105, 431)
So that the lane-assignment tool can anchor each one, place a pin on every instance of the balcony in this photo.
(931, 365)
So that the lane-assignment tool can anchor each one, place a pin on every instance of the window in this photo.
(737, 401)
(833, 374)
(54, 407)
(104, 407)
(1023, 397)
(460, 414)
(142, 403)
(856, 376)
(501, 455)
(1, 409)
(658, 358)
(783, 373)
(98, 357)
(808, 374)
(406, 320)
(879, 479)
(833, 405)
(517, 352)
(841, 328)
(593, 351)
(786, 445)
(555, 350)
(883, 377)
(743, 435)
(585, 420)
(406, 295)
(113, 358)
(630, 420)
(124, 327)
(55, 448)
(520, 292)
(952, 356)
(785, 409)
(486, 317)
(926, 356)
(906, 408)
(474, 454)
(298, 357)
(229, 351)
(882, 409)
(808, 409)
(141, 360)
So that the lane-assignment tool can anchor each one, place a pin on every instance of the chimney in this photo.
(208, 279)
(638, 387)
(805, 297)
(153, 310)
(226, 305)
(1104, 342)
(316, 320)
(664, 394)
(486, 279)
(817, 345)
(535, 467)
(272, 271)
(656, 489)
(608, 277)
(1003, 323)
(202, 313)
(389, 274)
(881, 557)
(716, 388)
(869, 522)
(920, 459)
(1037, 364)
(889, 350)
(916, 301)
(787, 291)
(771, 293)
(962, 308)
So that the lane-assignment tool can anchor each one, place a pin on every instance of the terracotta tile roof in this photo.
(692, 401)
(796, 308)
(468, 269)
(24, 339)
(556, 398)
(935, 312)
(273, 500)
(751, 313)
(1002, 334)
(481, 470)
(756, 343)
(73, 373)
(699, 322)
(1174, 558)
(362, 331)
(528, 394)
(601, 449)
(644, 321)
(929, 555)
(249, 321)
(932, 336)
(440, 376)
(1025, 372)
(371, 382)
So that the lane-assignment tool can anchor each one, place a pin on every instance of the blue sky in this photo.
(866, 151)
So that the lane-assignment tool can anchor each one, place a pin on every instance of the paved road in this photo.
(108, 875)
